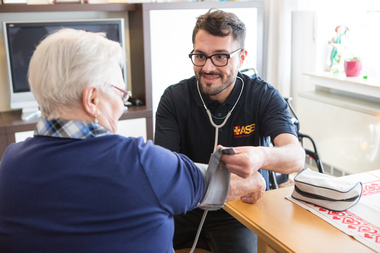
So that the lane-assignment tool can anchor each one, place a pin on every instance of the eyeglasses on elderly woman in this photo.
(126, 94)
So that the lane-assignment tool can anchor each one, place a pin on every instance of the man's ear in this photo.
(243, 54)
(90, 100)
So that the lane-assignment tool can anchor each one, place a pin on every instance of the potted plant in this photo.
(353, 66)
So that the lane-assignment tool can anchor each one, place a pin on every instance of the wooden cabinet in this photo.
(65, 7)
(3, 140)
(138, 85)
(11, 123)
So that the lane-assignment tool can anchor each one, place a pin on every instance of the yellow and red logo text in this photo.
(244, 131)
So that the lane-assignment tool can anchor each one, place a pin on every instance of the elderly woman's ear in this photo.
(90, 100)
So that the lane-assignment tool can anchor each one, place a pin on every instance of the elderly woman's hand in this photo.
(249, 189)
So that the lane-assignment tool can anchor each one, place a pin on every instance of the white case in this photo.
(332, 193)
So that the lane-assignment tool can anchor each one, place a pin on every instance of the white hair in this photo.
(68, 61)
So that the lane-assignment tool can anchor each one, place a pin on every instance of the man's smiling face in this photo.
(217, 82)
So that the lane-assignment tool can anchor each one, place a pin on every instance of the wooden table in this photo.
(284, 226)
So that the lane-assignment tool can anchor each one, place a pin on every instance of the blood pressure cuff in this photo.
(217, 181)
(332, 193)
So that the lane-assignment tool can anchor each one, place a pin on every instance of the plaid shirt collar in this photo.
(69, 129)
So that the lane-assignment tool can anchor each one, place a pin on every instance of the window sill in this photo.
(355, 86)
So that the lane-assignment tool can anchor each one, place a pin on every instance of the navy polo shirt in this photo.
(183, 126)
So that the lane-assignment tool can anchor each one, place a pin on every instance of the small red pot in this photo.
(352, 68)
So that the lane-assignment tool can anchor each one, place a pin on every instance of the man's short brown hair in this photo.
(221, 23)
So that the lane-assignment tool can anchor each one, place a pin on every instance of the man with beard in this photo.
(221, 106)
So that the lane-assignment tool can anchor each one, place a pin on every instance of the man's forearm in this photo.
(285, 159)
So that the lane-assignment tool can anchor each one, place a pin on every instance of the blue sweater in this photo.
(104, 194)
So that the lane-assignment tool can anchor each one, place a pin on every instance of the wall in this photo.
(348, 140)
(311, 32)
(4, 86)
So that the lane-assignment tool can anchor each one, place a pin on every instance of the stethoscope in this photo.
(210, 116)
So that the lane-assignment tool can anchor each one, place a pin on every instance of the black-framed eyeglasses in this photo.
(219, 60)
(126, 94)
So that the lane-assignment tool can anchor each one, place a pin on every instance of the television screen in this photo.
(21, 39)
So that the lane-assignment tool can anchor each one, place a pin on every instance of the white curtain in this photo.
(277, 44)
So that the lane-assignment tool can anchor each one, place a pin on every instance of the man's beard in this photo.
(215, 90)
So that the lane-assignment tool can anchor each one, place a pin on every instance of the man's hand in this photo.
(249, 190)
(245, 162)
(286, 157)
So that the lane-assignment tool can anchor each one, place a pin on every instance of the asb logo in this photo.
(243, 131)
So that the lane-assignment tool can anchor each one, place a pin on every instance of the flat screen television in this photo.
(20, 41)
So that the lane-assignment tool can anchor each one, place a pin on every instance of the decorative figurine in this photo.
(339, 44)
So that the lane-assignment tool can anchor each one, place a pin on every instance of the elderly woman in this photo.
(76, 186)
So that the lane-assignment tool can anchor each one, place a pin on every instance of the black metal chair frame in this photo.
(312, 153)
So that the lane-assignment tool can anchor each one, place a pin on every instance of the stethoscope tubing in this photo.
(226, 117)
(215, 145)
